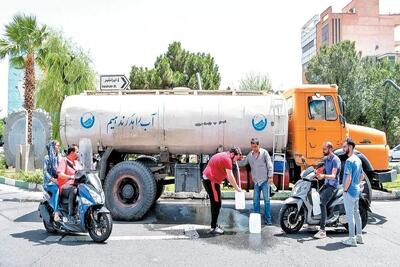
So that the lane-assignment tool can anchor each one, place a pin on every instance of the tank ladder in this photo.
(279, 135)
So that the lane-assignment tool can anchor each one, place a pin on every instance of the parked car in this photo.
(394, 153)
(1, 141)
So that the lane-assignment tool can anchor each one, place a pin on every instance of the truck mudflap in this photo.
(386, 176)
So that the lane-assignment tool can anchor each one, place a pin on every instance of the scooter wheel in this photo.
(100, 230)
(49, 227)
(287, 219)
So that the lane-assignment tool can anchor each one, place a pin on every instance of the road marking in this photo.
(184, 227)
(86, 238)
(53, 238)
(151, 237)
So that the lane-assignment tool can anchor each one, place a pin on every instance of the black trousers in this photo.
(215, 203)
(326, 195)
(70, 192)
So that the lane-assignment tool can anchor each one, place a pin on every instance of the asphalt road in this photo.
(175, 234)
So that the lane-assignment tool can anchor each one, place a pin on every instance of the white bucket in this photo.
(240, 200)
(255, 223)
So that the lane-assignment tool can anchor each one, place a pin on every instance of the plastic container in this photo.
(316, 202)
(240, 200)
(255, 223)
(273, 187)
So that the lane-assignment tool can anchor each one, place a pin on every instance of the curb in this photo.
(378, 195)
(20, 184)
(280, 195)
(225, 195)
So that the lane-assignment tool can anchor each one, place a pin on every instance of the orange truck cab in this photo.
(316, 115)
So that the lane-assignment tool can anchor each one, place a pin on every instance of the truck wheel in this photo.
(130, 190)
(160, 189)
(367, 190)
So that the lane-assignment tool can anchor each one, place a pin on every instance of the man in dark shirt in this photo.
(331, 175)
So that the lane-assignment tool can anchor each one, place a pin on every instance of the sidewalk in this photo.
(12, 193)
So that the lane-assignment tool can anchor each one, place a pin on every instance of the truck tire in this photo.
(160, 189)
(130, 190)
(367, 190)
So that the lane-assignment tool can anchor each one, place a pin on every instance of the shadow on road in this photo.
(29, 217)
(376, 219)
(332, 246)
(41, 237)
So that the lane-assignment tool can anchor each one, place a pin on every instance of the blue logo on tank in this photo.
(87, 120)
(259, 122)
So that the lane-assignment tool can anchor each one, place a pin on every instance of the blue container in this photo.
(278, 166)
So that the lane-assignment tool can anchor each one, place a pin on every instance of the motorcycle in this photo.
(298, 209)
(90, 213)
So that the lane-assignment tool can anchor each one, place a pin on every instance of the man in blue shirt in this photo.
(331, 174)
(352, 176)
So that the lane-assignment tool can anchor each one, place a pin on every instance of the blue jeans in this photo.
(264, 187)
(54, 197)
(353, 214)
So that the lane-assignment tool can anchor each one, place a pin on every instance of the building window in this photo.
(335, 31)
(325, 34)
(308, 46)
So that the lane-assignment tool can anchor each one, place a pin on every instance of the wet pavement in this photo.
(193, 219)
(175, 234)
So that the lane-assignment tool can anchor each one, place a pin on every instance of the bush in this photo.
(35, 177)
(2, 161)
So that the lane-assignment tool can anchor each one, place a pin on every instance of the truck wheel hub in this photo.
(128, 191)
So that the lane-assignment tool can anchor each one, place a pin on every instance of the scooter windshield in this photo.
(307, 172)
(94, 181)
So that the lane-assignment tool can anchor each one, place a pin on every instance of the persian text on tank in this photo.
(133, 121)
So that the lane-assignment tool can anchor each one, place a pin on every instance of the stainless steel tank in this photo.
(192, 123)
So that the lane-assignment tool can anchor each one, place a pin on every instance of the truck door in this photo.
(322, 124)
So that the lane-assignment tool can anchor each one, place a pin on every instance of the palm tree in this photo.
(66, 71)
(22, 42)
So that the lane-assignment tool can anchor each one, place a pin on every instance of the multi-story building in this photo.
(308, 41)
(374, 34)
(15, 88)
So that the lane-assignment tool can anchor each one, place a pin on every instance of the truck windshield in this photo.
(323, 109)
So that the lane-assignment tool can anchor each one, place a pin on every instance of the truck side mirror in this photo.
(342, 120)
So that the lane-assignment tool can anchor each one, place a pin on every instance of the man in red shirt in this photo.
(218, 168)
(66, 172)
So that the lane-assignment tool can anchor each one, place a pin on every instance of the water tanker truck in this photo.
(143, 136)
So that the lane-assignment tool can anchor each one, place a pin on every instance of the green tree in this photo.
(255, 82)
(380, 103)
(360, 82)
(22, 42)
(338, 65)
(66, 71)
(177, 67)
(1, 128)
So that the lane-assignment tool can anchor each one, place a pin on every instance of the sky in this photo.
(261, 36)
